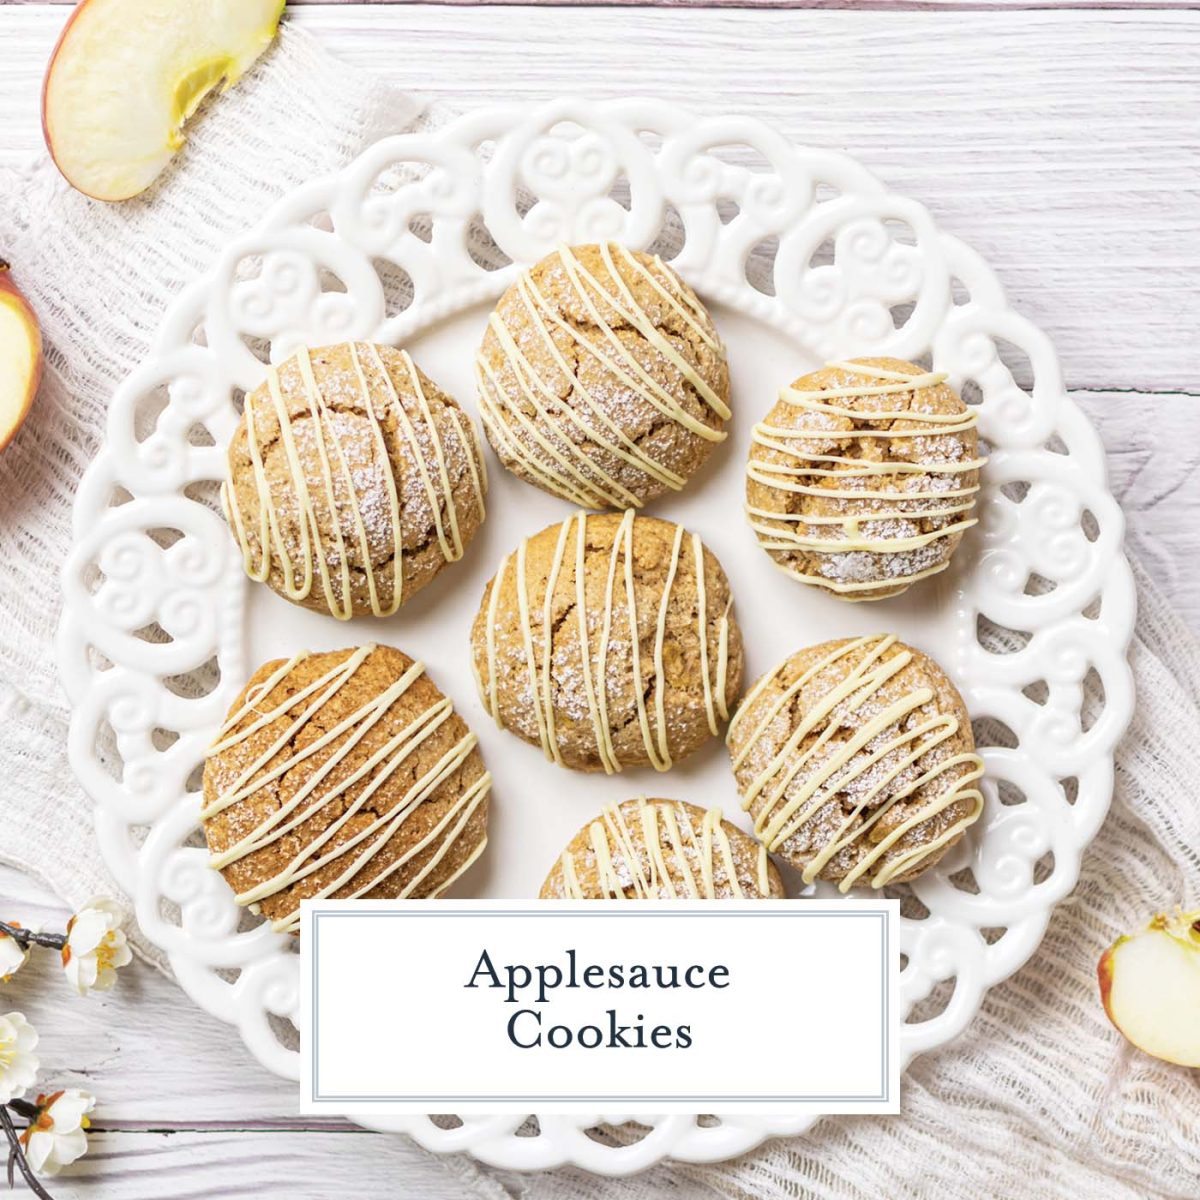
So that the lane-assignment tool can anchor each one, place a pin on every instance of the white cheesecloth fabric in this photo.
(1039, 1097)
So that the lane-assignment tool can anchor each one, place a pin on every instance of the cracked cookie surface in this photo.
(857, 761)
(342, 774)
(862, 478)
(602, 378)
(353, 480)
(609, 641)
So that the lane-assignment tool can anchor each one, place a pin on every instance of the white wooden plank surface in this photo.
(184, 1111)
(1063, 145)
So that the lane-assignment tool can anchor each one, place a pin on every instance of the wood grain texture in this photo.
(183, 1111)
(1062, 145)
(1153, 445)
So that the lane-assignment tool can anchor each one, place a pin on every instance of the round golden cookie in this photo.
(554, 656)
(662, 850)
(353, 480)
(602, 378)
(857, 760)
(863, 477)
(342, 775)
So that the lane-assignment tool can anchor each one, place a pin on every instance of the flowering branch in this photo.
(30, 937)
(16, 1154)
(92, 949)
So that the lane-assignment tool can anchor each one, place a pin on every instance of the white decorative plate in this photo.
(805, 257)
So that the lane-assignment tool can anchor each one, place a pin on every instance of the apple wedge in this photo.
(126, 74)
(20, 356)
(1150, 986)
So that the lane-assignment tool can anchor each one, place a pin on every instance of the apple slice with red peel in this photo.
(20, 356)
(1150, 985)
(126, 74)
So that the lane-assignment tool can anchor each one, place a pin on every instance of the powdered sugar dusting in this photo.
(894, 482)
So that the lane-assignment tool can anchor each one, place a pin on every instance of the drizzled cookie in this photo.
(342, 774)
(601, 378)
(651, 849)
(609, 641)
(353, 480)
(857, 761)
(863, 477)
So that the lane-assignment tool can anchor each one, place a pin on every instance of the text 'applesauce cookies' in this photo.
(863, 477)
(662, 850)
(857, 761)
(353, 480)
(602, 378)
(342, 775)
(609, 641)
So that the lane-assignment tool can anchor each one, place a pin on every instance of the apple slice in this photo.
(1150, 986)
(126, 74)
(20, 356)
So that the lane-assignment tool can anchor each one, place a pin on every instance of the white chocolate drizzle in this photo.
(944, 498)
(620, 590)
(542, 443)
(794, 786)
(317, 552)
(676, 861)
(295, 711)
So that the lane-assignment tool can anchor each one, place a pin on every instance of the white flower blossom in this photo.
(56, 1137)
(18, 1063)
(95, 947)
(12, 957)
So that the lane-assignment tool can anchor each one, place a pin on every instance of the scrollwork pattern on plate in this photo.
(150, 643)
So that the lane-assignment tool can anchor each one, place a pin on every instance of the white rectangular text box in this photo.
(560, 1006)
